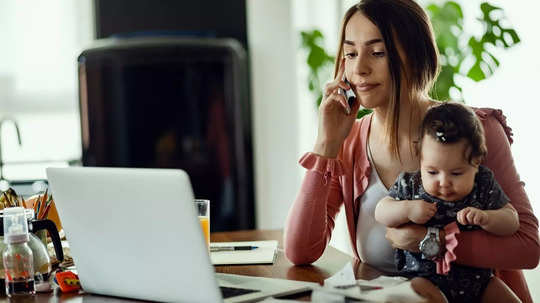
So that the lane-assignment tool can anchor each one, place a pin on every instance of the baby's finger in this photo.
(477, 220)
(461, 217)
(470, 216)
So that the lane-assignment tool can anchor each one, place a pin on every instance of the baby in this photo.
(450, 186)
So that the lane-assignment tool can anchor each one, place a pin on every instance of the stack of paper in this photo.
(265, 253)
(342, 287)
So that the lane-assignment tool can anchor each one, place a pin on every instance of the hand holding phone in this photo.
(349, 94)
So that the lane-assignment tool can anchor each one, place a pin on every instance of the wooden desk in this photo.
(330, 263)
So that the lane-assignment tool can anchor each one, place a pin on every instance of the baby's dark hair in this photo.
(450, 122)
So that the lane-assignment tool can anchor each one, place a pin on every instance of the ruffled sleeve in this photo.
(310, 220)
(443, 263)
(323, 165)
(484, 113)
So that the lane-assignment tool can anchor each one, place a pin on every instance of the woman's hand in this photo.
(335, 117)
(406, 237)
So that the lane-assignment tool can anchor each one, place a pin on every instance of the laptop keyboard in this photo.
(228, 292)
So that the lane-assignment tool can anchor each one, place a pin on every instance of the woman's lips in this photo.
(366, 87)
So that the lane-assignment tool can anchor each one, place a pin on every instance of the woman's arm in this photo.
(310, 220)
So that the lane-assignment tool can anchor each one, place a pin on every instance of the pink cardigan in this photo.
(331, 182)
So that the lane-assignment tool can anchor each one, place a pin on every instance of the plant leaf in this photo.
(476, 73)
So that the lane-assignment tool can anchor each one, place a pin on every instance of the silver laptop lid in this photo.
(134, 233)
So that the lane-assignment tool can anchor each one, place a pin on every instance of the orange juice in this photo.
(205, 225)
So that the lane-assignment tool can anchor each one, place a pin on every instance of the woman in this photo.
(388, 55)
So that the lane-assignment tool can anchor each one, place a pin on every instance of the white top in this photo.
(371, 243)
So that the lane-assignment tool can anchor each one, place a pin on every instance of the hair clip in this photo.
(441, 136)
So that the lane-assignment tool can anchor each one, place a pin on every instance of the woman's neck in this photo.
(410, 117)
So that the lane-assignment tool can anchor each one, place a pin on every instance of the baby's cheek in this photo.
(467, 187)
(430, 188)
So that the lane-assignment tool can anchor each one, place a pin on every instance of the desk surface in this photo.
(330, 263)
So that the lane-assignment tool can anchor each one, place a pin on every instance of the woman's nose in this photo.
(362, 66)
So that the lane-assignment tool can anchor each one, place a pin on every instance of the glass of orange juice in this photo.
(203, 211)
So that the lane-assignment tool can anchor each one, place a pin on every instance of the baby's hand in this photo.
(472, 216)
(421, 211)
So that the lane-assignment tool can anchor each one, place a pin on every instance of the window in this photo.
(38, 83)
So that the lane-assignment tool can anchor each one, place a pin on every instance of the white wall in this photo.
(272, 48)
(284, 111)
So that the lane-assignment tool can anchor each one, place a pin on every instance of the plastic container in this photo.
(17, 256)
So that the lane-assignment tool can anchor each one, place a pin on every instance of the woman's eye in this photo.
(432, 172)
(457, 174)
(378, 54)
(350, 55)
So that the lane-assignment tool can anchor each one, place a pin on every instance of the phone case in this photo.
(349, 94)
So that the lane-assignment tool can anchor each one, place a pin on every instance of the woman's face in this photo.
(366, 62)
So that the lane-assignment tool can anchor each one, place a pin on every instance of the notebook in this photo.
(134, 233)
(264, 253)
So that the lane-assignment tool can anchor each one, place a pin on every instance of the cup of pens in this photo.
(203, 212)
(40, 204)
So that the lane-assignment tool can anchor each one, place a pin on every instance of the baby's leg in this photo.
(497, 291)
(428, 290)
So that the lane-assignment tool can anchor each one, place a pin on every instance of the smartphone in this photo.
(349, 94)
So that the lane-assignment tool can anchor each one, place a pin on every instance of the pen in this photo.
(362, 287)
(231, 248)
(369, 287)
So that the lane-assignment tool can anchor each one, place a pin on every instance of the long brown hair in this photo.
(403, 23)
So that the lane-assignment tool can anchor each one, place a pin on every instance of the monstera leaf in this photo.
(456, 46)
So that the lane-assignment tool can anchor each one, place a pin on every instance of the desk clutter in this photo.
(343, 287)
(49, 269)
(26, 265)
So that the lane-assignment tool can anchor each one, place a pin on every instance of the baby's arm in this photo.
(398, 207)
(393, 213)
(503, 221)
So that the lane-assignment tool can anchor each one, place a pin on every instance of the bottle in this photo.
(17, 255)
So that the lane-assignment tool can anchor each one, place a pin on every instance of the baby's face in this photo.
(446, 173)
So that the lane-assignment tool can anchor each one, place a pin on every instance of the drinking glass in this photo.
(203, 211)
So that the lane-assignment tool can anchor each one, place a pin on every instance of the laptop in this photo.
(134, 233)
